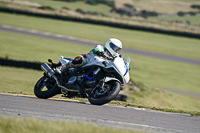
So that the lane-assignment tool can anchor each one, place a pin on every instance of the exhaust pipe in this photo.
(47, 69)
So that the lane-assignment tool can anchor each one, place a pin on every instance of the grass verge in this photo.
(33, 125)
(192, 113)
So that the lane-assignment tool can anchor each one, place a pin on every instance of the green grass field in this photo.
(178, 46)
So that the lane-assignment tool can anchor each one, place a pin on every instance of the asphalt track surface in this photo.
(74, 40)
(107, 115)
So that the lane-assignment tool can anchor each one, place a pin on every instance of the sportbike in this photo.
(100, 80)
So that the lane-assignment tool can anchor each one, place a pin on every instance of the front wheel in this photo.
(108, 92)
(46, 88)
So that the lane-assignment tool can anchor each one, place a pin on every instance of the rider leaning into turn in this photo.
(112, 47)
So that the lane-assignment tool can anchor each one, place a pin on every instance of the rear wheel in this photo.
(46, 88)
(105, 94)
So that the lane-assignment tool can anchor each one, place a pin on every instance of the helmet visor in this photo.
(115, 48)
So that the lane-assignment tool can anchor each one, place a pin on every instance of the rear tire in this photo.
(109, 96)
(51, 88)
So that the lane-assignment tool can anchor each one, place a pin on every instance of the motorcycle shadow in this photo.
(119, 97)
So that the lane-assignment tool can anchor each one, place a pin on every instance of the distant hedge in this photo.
(20, 64)
(106, 2)
(100, 22)
(93, 2)
(186, 13)
(46, 8)
(195, 6)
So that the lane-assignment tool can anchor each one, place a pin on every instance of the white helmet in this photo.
(113, 46)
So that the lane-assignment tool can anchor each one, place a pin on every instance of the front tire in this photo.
(46, 88)
(99, 97)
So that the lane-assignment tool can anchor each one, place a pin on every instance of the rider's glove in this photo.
(109, 58)
(100, 53)
(103, 55)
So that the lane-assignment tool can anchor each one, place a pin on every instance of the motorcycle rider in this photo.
(112, 47)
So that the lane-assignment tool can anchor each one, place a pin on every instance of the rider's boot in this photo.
(71, 64)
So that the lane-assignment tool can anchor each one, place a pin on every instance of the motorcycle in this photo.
(100, 80)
